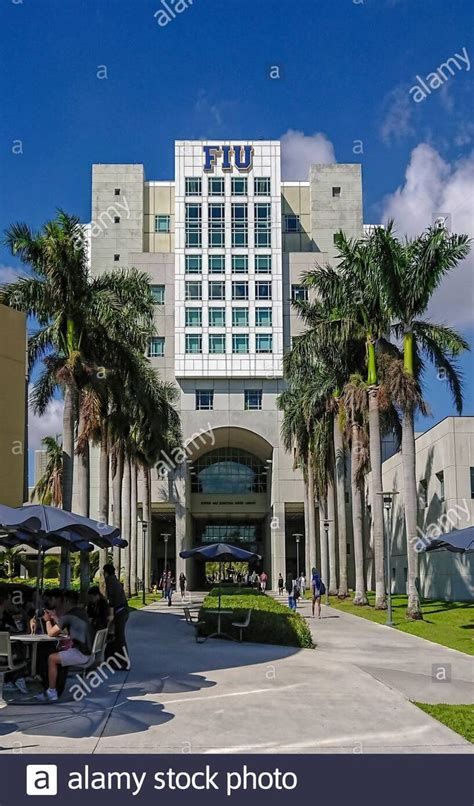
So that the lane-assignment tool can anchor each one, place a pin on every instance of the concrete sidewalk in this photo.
(350, 695)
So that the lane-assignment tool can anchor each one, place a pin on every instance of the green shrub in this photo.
(271, 622)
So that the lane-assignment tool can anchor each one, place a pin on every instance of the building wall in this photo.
(13, 447)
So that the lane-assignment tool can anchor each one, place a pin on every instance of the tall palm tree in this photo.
(412, 270)
(48, 489)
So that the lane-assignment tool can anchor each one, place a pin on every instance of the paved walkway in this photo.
(350, 695)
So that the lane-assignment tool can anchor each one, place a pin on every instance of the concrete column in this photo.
(277, 536)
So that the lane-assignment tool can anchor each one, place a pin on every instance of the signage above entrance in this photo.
(236, 156)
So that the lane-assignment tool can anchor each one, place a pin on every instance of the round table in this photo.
(33, 639)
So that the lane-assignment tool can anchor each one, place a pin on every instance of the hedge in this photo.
(271, 622)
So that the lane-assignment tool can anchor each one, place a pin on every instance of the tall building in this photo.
(13, 439)
(225, 245)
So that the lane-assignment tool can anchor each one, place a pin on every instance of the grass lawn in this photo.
(136, 602)
(448, 623)
(271, 622)
(457, 717)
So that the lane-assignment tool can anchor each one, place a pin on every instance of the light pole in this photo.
(297, 538)
(388, 497)
(325, 571)
(144, 533)
(166, 537)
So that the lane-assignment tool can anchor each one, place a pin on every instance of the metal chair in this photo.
(241, 625)
(97, 654)
(7, 663)
(195, 623)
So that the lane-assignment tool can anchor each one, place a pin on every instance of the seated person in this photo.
(78, 651)
(97, 610)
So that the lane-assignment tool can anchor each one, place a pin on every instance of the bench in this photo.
(242, 625)
(194, 623)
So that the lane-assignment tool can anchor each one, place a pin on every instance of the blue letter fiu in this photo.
(242, 157)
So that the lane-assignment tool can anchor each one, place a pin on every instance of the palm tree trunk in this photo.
(306, 526)
(341, 505)
(117, 504)
(133, 530)
(311, 517)
(331, 510)
(83, 507)
(67, 476)
(323, 542)
(147, 517)
(377, 498)
(410, 495)
(360, 597)
(103, 500)
(126, 515)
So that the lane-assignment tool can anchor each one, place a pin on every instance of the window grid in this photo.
(239, 186)
(215, 186)
(252, 399)
(193, 344)
(193, 317)
(193, 290)
(263, 289)
(216, 343)
(216, 264)
(240, 290)
(193, 264)
(263, 225)
(240, 235)
(216, 225)
(193, 186)
(240, 343)
(263, 264)
(193, 225)
(158, 294)
(240, 264)
(162, 223)
(216, 317)
(156, 347)
(216, 289)
(261, 185)
(263, 317)
(263, 343)
(229, 470)
(292, 223)
(204, 399)
(240, 317)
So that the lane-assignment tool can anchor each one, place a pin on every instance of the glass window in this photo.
(263, 264)
(252, 399)
(240, 317)
(263, 225)
(228, 470)
(240, 264)
(336, 193)
(193, 289)
(216, 343)
(215, 186)
(441, 490)
(162, 223)
(263, 317)
(193, 186)
(193, 225)
(116, 219)
(204, 399)
(263, 289)
(216, 264)
(239, 186)
(193, 264)
(292, 223)
(158, 294)
(193, 343)
(156, 347)
(240, 344)
(216, 225)
(193, 317)
(117, 191)
(263, 343)
(216, 317)
(299, 293)
(216, 289)
(261, 186)
(239, 225)
(240, 290)
(335, 238)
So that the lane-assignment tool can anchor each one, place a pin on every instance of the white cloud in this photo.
(433, 186)
(299, 151)
(8, 274)
(50, 424)
(397, 115)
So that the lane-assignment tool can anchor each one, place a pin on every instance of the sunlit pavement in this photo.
(349, 695)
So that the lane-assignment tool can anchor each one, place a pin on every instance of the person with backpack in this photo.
(290, 589)
(318, 588)
(280, 584)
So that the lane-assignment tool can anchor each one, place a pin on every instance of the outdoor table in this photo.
(33, 640)
(219, 614)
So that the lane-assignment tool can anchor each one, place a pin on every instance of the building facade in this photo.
(13, 437)
(225, 245)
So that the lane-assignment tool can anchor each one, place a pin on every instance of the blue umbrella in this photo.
(222, 552)
(67, 526)
(459, 541)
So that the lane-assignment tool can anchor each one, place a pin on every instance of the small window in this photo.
(216, 289)
(216, 264)
(162, 223)
(262, 186)
(240, 264)
(117, 191)
(263, 343)
(292, 223)
(216, 343)
(156, 347)
(441, 490)
(116, 258)
(216, 317)
(263, 317)
(334, 238)
(240, 290)
(299, 293)
(193, 186)
(240, 317)
(193, 289)
(336, 193)
(239, 186)
(263, 264)
(215, 186)
(116, 219)
(472, 481)
(204, 399)
(423, 494)
(193, 317)
(252, 399)
(193, 264)
(240, 344)
(158, 294)
(263, 290)
(193, 344)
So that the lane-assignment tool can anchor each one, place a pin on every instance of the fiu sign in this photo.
(240, 157)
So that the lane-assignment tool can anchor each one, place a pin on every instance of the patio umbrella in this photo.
(459, 541)
(222, 553)
(46, 520)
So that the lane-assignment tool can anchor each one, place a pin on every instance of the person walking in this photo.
(118, 611)
(182, 585)
(302, 582)
(290, 589)
(169, 582)
(281, 584)
(263, 581)
(317, 589)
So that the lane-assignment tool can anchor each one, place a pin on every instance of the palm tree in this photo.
(355, 405)
(412, 270)
(48, 489)
(9, 558)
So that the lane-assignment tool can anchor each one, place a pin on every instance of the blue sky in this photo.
(346, 71)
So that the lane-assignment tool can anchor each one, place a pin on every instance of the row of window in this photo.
(239, 263)
(217, 344)
(252, 399)
(440, 488)
(215, 186)
(216, 290)
(216, 225)
(217, 317)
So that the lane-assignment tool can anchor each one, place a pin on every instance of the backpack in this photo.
(296, 590)
(322, 588)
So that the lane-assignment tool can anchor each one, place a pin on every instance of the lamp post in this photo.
(325, 571)
(144, 533)
(297, 538)
(388, 497)
(166, 537)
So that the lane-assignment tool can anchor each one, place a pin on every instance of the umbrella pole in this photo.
(38, 575)
(220, 583)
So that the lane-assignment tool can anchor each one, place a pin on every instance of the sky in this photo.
(336, 80)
